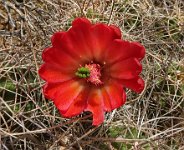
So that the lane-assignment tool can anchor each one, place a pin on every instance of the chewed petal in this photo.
(136, 84)
(95, 105)
(114, 96)
(63, 94)
(120, 50)
(126, 69)
(78, 105)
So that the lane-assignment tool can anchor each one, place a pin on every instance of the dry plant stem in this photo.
(83, 136)
(112, 9)
(4, 133)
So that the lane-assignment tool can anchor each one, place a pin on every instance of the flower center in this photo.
(91, 72)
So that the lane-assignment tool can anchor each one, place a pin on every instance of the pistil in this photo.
(91, 72)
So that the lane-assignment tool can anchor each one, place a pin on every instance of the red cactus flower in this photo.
(87, 68)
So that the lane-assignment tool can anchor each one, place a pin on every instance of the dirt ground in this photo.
(151, 120)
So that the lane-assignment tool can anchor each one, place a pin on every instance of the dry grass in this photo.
(152, 120)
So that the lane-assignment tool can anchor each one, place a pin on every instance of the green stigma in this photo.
(83, 72)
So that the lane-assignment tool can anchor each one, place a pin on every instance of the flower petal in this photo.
(126, 69)
(58, 66)
(120, 50)
(52, 73)
(95, 105)
(81, 22)
(102, 36)
(136, 84)
(107, 98)
(114, 96)
(59, 58)
(57, 38)
(80, 40)
(78, 105)
(117, 31)
(75, 41)
(63, 94)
